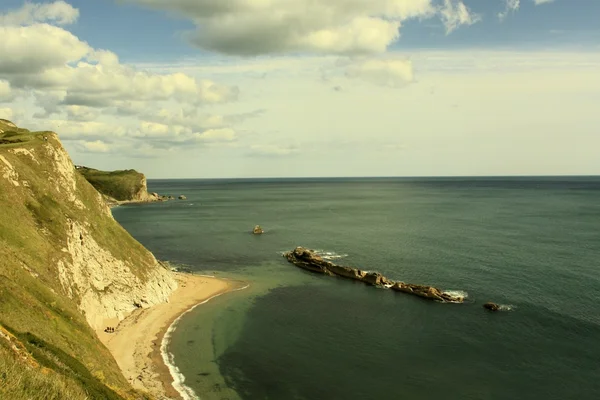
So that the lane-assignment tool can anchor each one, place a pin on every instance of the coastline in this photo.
(139, 341)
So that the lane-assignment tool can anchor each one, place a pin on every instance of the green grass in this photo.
(120, 185)
(33, 224)
(19, 381)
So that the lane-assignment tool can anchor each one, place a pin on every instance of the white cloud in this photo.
(88, 130)
(58, 13)
(6, 113)
(88, 93)
(216, 135)
(38, 48)
(538, 2)
(455, 13)
(385, 72)
(96, 146)
(251, 27)
(81, 113)
(511, 6)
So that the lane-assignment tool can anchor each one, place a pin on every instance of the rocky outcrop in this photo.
(491, 306)
(258, 230)
(309, 260)
(120, 187)
(182, 197)
(106, 286)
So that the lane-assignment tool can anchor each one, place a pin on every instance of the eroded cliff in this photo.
(64, 260)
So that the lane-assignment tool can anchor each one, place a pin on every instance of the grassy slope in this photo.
(32, 305)
(120, 185)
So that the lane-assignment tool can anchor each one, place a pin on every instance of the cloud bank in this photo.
(346, 27)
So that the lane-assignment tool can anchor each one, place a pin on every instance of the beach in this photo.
(136, 342)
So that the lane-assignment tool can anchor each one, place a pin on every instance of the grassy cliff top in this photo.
(120, 185)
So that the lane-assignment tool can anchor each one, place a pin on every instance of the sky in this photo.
(309, 88)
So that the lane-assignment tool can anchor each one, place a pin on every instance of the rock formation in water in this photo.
(182, 197)
(66, 265)
(309, 260)
(491, 306)
(258, 230)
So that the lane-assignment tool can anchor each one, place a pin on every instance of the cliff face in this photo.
(65, 261)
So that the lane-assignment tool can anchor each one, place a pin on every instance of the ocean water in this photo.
(531, 244)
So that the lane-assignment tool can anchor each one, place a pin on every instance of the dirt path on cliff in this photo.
(135, 344)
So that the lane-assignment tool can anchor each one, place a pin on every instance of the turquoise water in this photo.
(529, 243)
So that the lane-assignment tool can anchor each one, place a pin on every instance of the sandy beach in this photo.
(136, 342)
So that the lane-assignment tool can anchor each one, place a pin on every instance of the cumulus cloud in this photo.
(46, 57)
(89, 97)
(58, 13)
(385, 72)
(97, 146)
(164, 136)
(81, 113)
(38, 48)
(252, 27)
(85, 130)
(511, 6)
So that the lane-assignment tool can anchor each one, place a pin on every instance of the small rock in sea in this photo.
(491, 306)
(182, 197)
(257, 230)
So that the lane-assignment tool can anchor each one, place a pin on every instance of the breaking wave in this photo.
(186, 392)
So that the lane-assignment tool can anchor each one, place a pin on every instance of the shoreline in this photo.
(140, 340)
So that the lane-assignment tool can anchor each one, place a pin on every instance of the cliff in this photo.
(127, 185)
(65, 266)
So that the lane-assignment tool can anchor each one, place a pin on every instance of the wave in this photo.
(326, 255)
(330, 255)
(456, 293)
(186, 392)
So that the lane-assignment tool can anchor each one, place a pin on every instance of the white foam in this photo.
(329, 255)
(456, 293)
(506, 307)
(186, 392)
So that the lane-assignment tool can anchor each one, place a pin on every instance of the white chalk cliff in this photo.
(90, 257)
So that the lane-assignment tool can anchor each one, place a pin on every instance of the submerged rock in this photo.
(182, 197)
(258, 230)
(311, 261)
(491, 306)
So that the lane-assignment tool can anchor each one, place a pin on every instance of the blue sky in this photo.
(186, 88)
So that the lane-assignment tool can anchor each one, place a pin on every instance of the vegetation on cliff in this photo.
(52, 223)
(120, 185)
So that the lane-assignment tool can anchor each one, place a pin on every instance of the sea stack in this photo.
(258, 230)
(182, 197)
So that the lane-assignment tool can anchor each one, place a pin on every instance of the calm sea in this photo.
(532, 244)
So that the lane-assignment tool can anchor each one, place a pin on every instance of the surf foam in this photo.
(186, 392)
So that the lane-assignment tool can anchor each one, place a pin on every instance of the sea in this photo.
(529, 244)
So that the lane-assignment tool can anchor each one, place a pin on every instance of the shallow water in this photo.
(531, 244)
